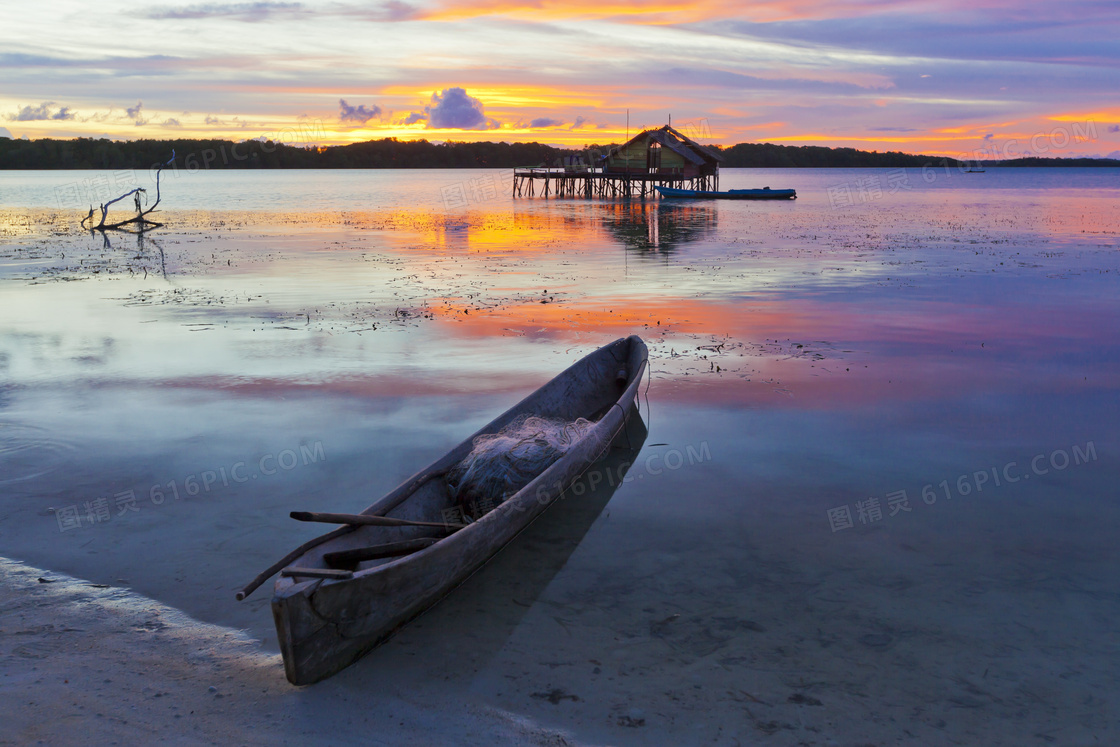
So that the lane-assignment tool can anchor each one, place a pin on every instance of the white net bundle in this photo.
(502, 463)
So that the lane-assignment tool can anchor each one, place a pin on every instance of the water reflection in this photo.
(141, 260)
(653, 227)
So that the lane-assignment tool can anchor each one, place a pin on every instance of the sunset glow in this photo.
(978, 80)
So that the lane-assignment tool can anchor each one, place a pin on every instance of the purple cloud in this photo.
(544, 122)
(40, 113)
(359, 114)
(135, 115)
(392, 11)
(249, 12)
(454, 109)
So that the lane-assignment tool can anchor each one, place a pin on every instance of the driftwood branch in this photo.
(141, 217)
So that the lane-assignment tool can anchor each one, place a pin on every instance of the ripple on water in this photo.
(27, 452)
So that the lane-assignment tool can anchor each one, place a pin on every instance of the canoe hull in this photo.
(734, 194)
(324, 626)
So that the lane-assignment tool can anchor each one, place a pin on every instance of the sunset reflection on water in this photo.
(818, 355)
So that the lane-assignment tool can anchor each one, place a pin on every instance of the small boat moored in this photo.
(732, 194)
(346, 592)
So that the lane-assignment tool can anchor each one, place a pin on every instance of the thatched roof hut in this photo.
(663, 151)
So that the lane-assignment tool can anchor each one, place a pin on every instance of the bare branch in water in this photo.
(141, 217)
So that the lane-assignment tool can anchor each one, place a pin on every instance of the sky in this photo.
(966, 78)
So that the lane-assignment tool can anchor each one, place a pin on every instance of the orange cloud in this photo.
(654, 12)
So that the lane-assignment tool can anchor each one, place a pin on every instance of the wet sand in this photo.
(94, 664)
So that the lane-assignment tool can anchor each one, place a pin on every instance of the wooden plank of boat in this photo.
(349, 559)
(733, 194)
(324, 625)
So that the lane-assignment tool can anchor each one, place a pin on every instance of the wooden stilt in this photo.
(597, 184)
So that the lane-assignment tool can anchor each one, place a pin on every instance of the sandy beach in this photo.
(90, 664)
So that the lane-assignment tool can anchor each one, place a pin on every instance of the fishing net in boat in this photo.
(502, 463)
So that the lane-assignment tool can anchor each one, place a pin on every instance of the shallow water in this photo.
(306, 340)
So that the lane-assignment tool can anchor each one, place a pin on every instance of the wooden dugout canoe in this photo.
(734, 194)
(326, 624)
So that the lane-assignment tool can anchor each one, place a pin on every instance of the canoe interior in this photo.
(426, 496)
(504, 590)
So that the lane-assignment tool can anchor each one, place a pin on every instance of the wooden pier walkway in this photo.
(563, 183)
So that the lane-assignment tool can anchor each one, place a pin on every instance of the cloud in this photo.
(172, 122)
(135, 115)
(216, 122)
(989, 136)
(93, 67)
(1114, 128)
(256, 12)
(392, 11)
(544, 122)
(5, 132)
(415, 117)
(398, 11)
(134, 111)
(100, 116)
(359, 114)
(580, 122)
(454, 109)
(248, 12)
(892, 129)
(40, 113)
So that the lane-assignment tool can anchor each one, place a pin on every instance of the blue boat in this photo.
(733, 194)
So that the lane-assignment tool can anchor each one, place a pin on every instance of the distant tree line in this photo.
(1039, 161)
(768, 155)
(390, 153)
